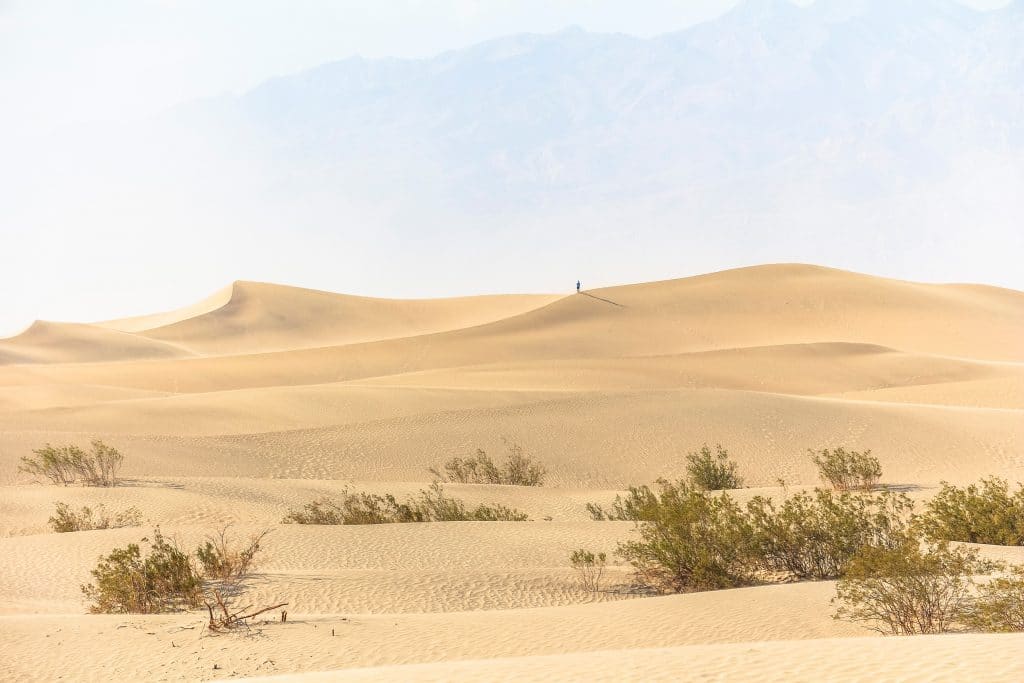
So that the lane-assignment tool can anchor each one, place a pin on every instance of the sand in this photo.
(263, 397)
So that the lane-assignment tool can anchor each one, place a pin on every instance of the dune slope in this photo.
(265, 397)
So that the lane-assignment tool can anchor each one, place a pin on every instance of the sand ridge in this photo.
(264, 397)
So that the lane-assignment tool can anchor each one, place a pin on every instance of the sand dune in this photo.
(47, 342)
(264, 397)
(259, 317)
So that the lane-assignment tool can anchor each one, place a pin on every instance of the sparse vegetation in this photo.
(431, 505)
(590, 567)
(65, 519)
(165, 580)
(628, 508)
(66, 465)
(815, 536)
(690, 540)
(712, 472)
(519, 469)
(986, 512)
(999, 605)
(848, 470)
(909, 589)
(222, 560)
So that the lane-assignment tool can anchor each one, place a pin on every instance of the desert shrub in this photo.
(999, 605)
(848, 470)
(65, 465)
(689, 539)
(590, 567)
(628, 508)
(65, 519)
(712, 472)
(165, 580)
(431, 505)
(224, 560)
(816, 536)
(519, 469)
(980, 513)
(909, 589)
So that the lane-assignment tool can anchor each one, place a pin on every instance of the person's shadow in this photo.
(607, 301)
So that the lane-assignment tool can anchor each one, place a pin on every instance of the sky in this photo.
(67, 63)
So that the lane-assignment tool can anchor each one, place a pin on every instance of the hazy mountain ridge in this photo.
(898, 127)
(836, 84)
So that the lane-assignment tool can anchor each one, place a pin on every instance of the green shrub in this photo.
(431, 505)
(980, 513)
(518, 470)
(165, 580)
(65, 519)
(628, 508)
(712, 472)
(816, 536)
(848, 470)
(590, 567)
(999, 605)
(222, 560)
(909, 589)
(65, 465)
(690, 540)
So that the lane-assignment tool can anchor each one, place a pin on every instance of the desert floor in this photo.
(264, 397)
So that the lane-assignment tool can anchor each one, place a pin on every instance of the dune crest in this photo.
(265, 397)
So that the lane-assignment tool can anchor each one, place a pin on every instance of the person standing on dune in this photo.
(577, 286)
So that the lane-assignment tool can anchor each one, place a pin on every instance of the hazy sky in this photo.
(67, 62)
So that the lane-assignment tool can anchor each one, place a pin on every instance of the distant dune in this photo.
(263, 397)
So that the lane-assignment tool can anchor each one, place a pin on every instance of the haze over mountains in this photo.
(859, 133)
(878, 136)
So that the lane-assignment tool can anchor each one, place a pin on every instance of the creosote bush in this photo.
(165, 580)
(690, 540)
(431, 505)
(980, 513)
(848, 470)
(590, 567)
(815, 536)
(999, 605)
(712, 472)
(65, 465)
(519, 469)
(65, 519)
(910, 588)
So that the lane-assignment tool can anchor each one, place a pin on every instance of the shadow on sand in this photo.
(607, 301)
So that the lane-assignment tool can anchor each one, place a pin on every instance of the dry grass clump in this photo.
(519, 469)
(65, 519)
(712, 472)
(590, 567)
(65, 465)
(431, 505)
(980, 513)
(848, 470)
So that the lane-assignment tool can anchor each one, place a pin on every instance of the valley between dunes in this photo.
(264, 397)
